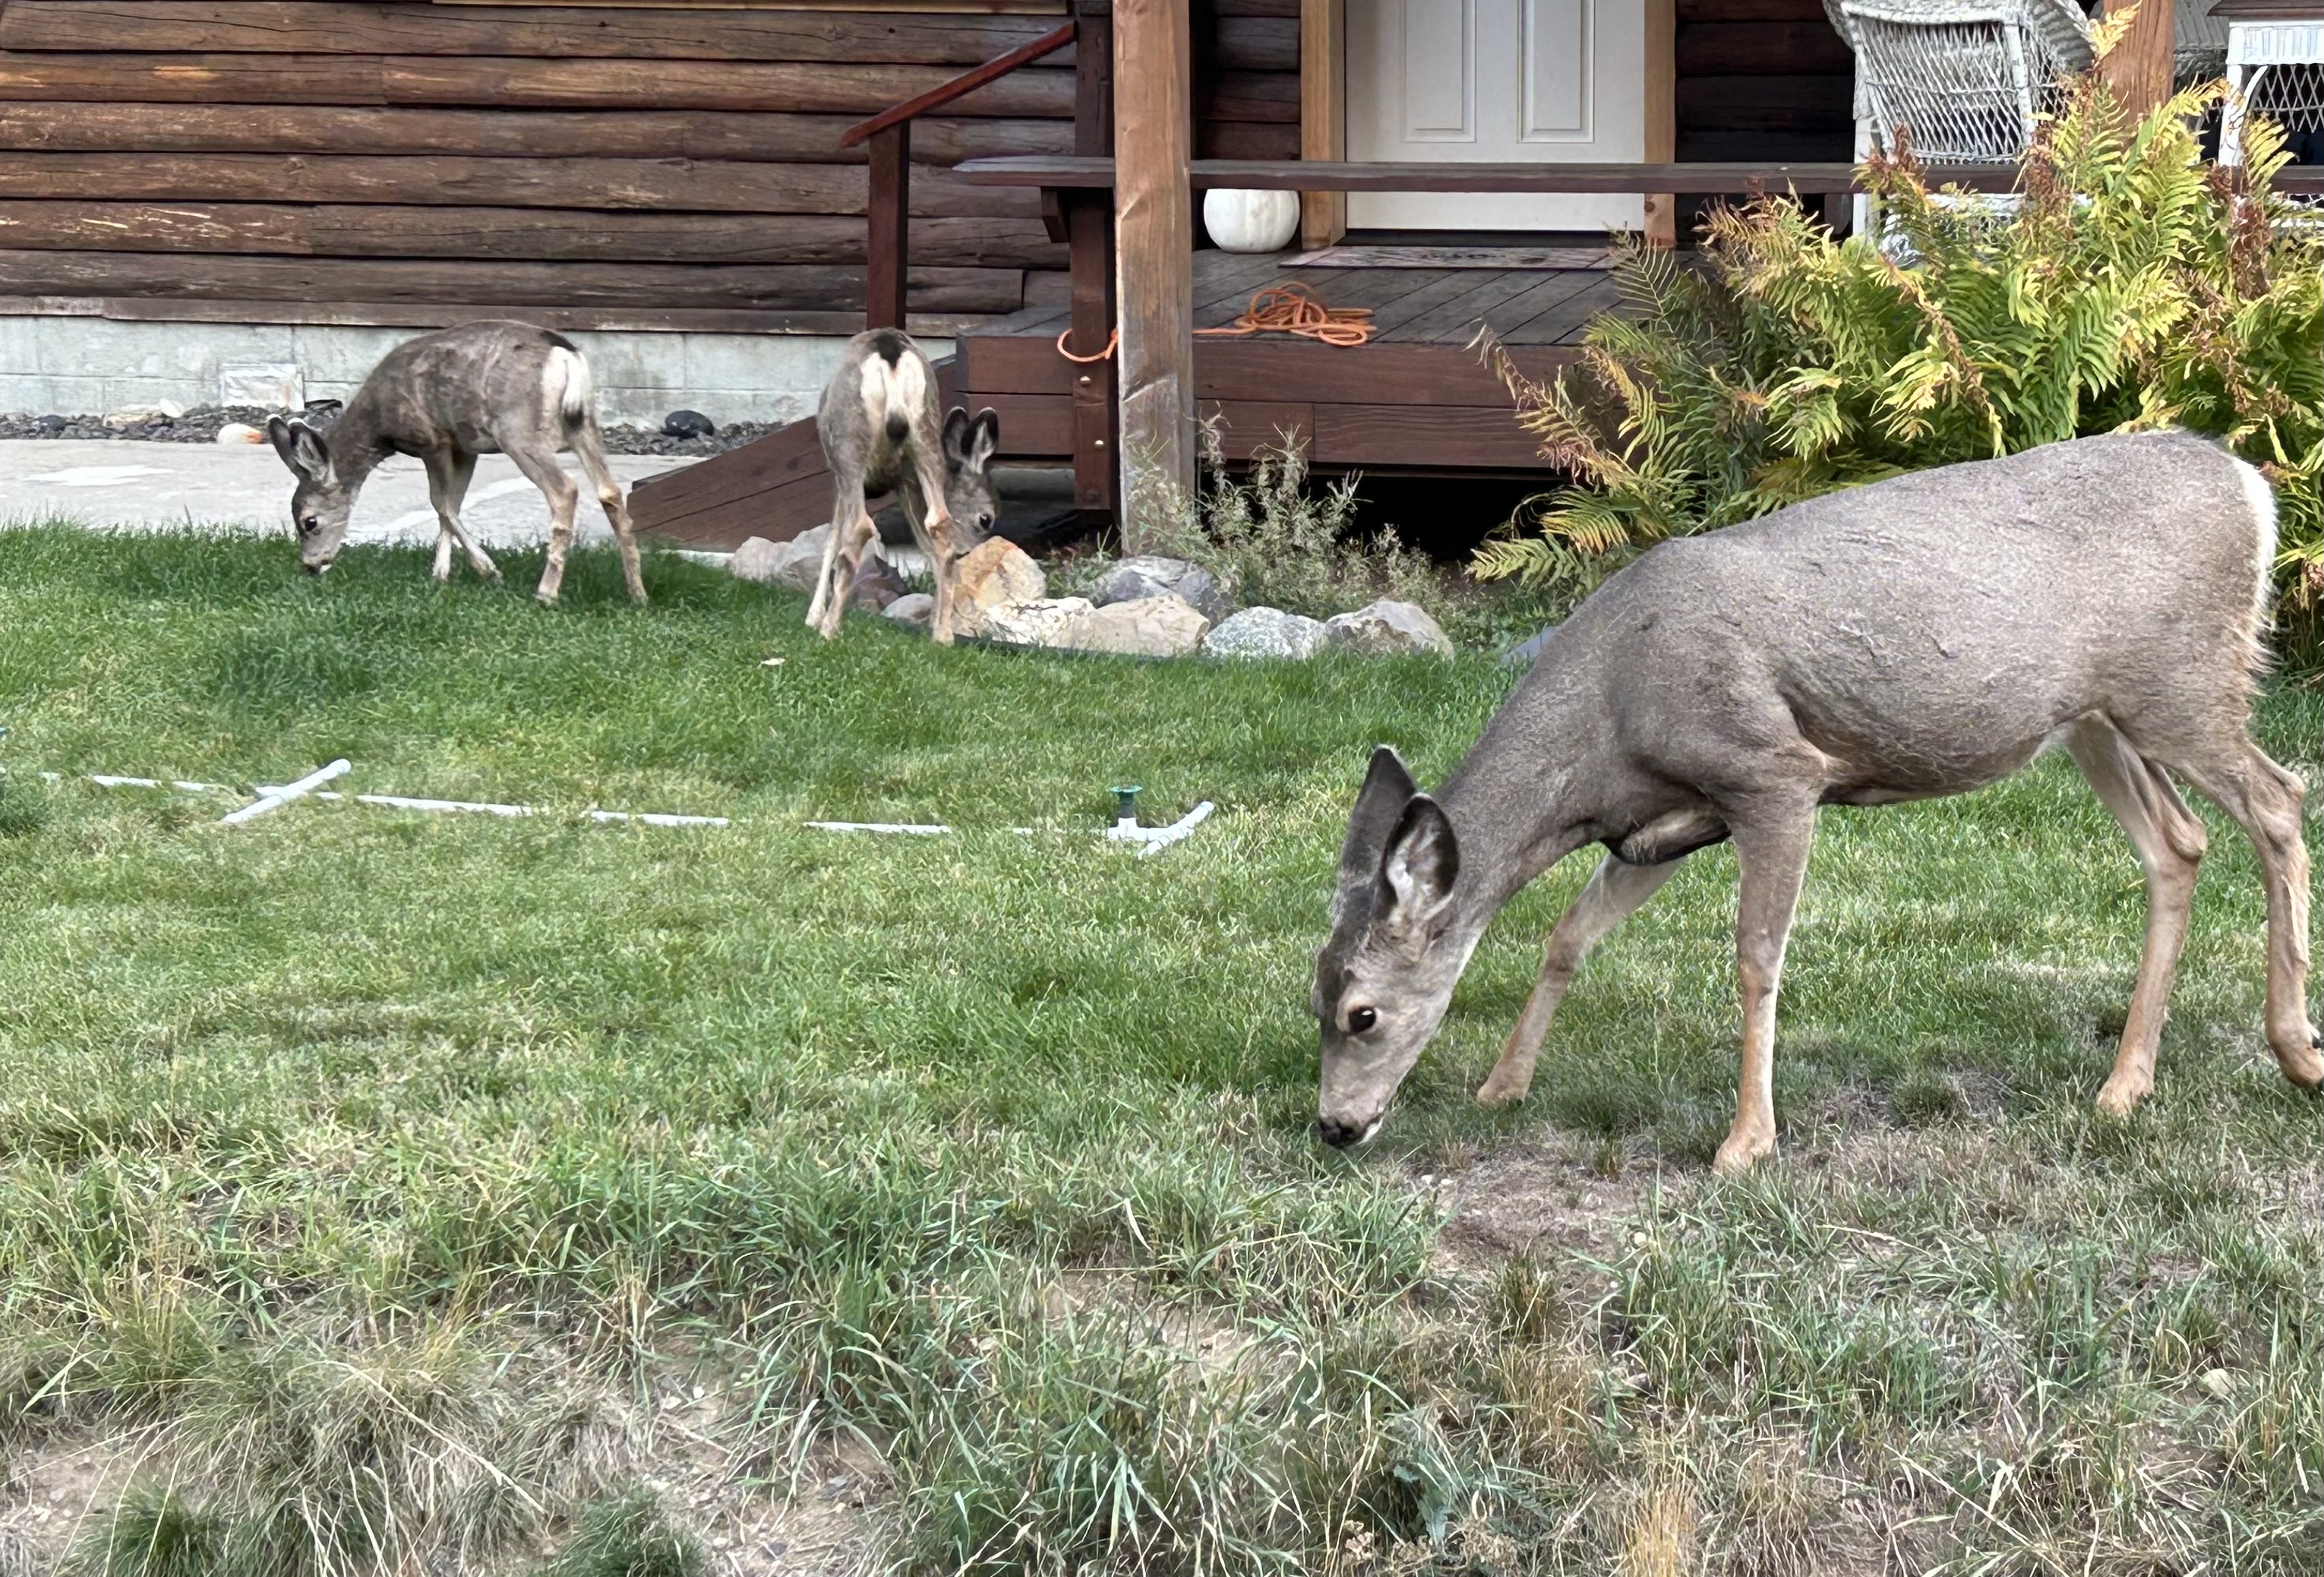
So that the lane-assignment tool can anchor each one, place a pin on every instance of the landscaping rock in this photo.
(1388, 628)
(877, 584)
(1168, 625)
(1257, 633)
(793, 564)
(687, 424)
(997, 571)
(240, 432)
(1151, 576)
(139, 415)
(917, 609)
(1049, 621)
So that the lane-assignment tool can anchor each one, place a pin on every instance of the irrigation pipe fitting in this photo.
(276, 798)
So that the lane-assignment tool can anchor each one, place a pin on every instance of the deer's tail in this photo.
(565, 385)
(901, 384)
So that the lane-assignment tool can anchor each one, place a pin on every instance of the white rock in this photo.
(240, 432)
(997, 571)
(913, 608)
(793, 564)
(1164, 626)
(1388, 628)
(132, 415)
(1151, 576)
(1047, 622)
(1258, 633)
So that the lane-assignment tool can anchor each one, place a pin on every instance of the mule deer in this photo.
(479, 389)
(1919, 637)
(881, 432)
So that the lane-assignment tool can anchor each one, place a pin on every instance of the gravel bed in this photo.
(201, 426)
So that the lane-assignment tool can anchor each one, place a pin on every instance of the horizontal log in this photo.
(546, 234)
(350, 27)
(640, 319)
(1250, 96)
(164, 277)
(1270, 140)
(1766, 104)
(511, 83)
(1328, 175)
(1715, 146)
(227, 128)
(1255, 8)
(658, 184)
(1763, 48)
(1750, 11)
(1257, 44)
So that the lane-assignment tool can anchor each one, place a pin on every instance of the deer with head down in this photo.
(883, 429)
(479, 389)
(1916, 638)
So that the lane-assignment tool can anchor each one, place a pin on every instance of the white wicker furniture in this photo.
(2275, 68)
(1961, 80)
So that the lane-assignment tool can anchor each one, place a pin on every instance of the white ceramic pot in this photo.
(1251, 221)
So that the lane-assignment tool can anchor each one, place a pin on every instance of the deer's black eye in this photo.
(984, 522)
(1360, 1019)
(309, 525)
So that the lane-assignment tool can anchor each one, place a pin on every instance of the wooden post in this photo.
(1323, 113)
(888, 232)
(1088, 235)
(1661, 104)
(2139, 69)
(1154, 264)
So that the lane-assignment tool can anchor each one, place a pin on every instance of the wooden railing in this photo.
(888, 206)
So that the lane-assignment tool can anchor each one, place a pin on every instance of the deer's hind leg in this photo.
(2264, 800)
(448, 473)
(1771, 848)
(589, 448)
(2170, 843)
(932, 525)
(1614, 893)
(541, 468)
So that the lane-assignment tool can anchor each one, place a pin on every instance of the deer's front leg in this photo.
(1774, 855)
(1613, 894)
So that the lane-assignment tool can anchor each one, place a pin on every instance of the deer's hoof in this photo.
(1741, 1152)
(1497, 1090)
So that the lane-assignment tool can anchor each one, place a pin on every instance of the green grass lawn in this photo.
(383, 1192)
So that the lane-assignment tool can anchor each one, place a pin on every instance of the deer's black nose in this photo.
(1338, 1135)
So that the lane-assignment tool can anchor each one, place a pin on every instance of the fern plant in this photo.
(2131, 286)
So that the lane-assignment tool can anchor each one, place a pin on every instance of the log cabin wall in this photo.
(408, 163)
(1246, 68)
(1762, 80)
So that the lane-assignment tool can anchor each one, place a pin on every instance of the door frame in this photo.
(1324, 112)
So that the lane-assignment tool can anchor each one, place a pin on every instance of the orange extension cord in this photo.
(1294, 308)
(1291, 309)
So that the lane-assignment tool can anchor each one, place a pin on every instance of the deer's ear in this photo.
(1419, 866)
(300, 448)
(1388, 790)
(955, 435)
(983, 438)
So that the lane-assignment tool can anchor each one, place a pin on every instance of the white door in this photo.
(1495, 81)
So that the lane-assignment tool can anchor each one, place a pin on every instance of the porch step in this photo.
(775, 487)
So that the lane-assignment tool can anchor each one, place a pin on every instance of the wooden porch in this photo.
(1417, 398)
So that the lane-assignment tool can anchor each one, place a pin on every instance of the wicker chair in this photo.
(1963, 78)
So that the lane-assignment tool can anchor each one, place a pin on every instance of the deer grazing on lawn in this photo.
(447, 397)
(881, 432)
(1919, 637)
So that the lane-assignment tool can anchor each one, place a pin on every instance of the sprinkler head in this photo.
(1125, 801)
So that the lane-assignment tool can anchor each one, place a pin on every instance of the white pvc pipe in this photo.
(914, 829)
(275, 799)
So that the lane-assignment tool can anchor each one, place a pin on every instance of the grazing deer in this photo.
(881, 432)
(1919, 637)
(447, 397)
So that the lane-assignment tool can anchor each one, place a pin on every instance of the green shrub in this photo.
(2133, 287)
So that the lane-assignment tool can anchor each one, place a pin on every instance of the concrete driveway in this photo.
(122, 484)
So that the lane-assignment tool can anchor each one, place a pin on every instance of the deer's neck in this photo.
(356, 444)
(1516, 803)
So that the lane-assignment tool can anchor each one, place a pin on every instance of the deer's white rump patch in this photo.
(891, 393)
(564, 388)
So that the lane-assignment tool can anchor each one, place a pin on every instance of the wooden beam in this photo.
(888, 239)
(2139, 68)
(960, 86)
(1089, 234)
(1322, 113)
(1154, 269)
(1661, 106)
(1308, 175)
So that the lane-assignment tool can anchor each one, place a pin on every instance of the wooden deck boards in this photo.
(1414, 399)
